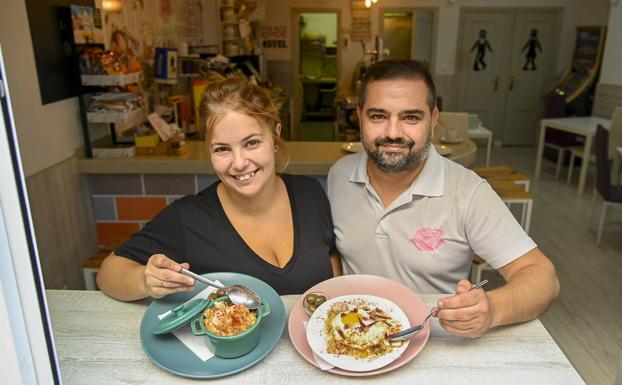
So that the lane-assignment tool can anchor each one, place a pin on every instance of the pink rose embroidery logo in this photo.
(427, 239)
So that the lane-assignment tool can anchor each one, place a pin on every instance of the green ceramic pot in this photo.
(232, 346)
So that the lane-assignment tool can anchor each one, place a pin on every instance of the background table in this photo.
(482, 133)
(97, 342)
(584, 126)
(617, 160)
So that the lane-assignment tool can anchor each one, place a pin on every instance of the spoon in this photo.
(238, 294)
(413, 331)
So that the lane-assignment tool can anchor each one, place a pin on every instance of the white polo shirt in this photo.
(428, 236)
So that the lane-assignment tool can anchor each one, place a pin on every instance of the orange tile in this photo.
(114, 232)
(139, 208)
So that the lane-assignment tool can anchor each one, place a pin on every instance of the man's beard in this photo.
(395, 161)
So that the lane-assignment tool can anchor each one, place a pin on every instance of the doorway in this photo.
(505, 64)
(315, 58)
(409, 33)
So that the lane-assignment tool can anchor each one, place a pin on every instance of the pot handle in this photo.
(197, 326)
(264, 309)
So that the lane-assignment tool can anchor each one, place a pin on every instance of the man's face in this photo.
(396, 124)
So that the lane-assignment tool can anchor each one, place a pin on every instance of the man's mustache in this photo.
(398, 141)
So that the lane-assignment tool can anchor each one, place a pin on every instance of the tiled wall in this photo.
(123, 203)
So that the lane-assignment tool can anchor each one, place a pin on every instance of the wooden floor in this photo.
(586, 320)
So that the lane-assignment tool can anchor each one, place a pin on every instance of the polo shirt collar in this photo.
(429, 182)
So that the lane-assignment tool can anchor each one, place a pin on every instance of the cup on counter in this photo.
(474, 121)
(451, 135)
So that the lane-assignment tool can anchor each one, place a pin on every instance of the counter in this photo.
(128, 192)
(306, 158)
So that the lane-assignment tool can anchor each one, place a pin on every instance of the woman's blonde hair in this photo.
(236, 93)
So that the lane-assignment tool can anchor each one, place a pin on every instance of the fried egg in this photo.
(361, 328)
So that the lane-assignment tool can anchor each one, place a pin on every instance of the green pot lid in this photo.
(181, 315)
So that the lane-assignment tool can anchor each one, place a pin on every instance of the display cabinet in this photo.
(102, 100)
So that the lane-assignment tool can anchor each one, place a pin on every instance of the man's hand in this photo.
(162, 277)
(468, 313)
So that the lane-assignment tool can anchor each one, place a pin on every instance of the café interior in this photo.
(101, 119)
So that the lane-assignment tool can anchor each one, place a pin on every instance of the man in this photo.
(402, 211)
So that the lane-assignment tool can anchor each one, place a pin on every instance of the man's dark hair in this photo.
(399, 69)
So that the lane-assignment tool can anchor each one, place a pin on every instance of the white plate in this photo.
(442, 149)
(353, 146)
(317, 338)
(454, 141)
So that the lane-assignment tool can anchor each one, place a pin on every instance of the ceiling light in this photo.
(112, 6)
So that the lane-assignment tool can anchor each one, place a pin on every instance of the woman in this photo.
(254, 220)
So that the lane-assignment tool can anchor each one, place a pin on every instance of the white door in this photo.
(409, 32)
(505, 64)
(482, 56)
(423, 35)
(531, 72)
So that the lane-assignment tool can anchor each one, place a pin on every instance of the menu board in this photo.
(361, 21)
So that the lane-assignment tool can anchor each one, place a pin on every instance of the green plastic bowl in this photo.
(231, 346)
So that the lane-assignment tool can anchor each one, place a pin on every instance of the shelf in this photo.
(116, 151)
(166, 81)
(110, 80)
(132, 117)
(319, 114)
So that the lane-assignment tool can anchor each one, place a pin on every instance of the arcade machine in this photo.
(578, 83)
(573, 94)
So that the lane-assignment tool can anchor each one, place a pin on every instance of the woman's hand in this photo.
(162, 276)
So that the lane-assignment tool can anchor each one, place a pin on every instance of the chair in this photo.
(513, 188)
(615, 140)
(555, 107)
(477, 131)
(503, 173)
(577, 152)
(611, 195)
(91, 266)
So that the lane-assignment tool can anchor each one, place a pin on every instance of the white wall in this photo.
(574, 13)
(611, 72)
(47, 134)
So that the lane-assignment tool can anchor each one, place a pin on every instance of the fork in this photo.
(414, 330)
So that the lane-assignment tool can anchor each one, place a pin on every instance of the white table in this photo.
(482, 133)
(97, 341)
(585, 126)
(617, 159)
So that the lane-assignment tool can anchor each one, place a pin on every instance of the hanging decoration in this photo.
(531, 46)
(481, 44)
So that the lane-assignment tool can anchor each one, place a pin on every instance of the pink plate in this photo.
(401, 295)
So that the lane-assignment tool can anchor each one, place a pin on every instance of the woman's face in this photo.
(242, 154)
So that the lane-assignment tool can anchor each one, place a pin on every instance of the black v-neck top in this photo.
(195, 229)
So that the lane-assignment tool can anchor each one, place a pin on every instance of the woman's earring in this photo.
(276, 147)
